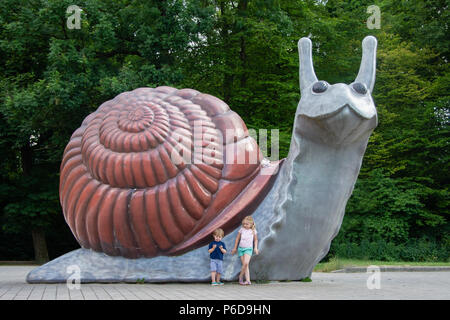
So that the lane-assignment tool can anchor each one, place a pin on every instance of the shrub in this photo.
(423, 249)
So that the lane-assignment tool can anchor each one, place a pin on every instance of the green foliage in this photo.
(244, 52)
(53, 77)
(140, 280)
(402, 192)
(390, 208)
(307, 279)
(419, 250)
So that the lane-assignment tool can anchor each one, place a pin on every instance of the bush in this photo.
(417, 250)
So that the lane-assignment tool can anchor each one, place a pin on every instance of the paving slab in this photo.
(429, 285)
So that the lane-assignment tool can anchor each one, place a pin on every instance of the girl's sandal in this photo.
(247, 283)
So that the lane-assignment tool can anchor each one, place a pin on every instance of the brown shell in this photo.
(135, 183)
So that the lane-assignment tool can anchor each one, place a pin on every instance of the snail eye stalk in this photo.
(320, 86)
(359, 87)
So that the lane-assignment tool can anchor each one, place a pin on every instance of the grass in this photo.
(307, 279)
(340, 263)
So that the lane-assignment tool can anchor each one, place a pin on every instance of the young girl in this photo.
(248, 243)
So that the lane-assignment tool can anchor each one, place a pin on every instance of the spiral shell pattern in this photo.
(134, 181)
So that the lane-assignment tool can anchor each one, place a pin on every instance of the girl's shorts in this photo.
(242, 251)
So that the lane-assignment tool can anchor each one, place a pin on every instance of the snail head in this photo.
(338, 113)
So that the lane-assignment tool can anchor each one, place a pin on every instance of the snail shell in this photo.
(134, 182)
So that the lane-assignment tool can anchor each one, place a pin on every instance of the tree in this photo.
(54, 77)
(244, 52)
(409, 148)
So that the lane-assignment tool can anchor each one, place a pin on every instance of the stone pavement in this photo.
(325, 286)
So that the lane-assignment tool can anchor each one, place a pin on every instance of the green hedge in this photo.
(413, 250)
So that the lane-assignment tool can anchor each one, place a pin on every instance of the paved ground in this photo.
(325, 286)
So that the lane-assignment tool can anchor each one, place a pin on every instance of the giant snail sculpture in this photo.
(142, 196)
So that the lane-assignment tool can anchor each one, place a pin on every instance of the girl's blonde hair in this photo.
(249, 219)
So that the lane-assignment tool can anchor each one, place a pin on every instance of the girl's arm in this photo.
(238, 237)
(255, 240)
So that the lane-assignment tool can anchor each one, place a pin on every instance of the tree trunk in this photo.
(243, 58)
(228, 74)
(242, 8)
(38, 234)
(40, 246)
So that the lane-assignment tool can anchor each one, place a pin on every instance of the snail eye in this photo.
(359, 87)
(320, 86)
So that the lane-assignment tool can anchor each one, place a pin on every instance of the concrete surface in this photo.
(324, 286)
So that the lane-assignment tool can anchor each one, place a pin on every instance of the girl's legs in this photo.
(245, 259)
(242, 273)
(247, 269)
